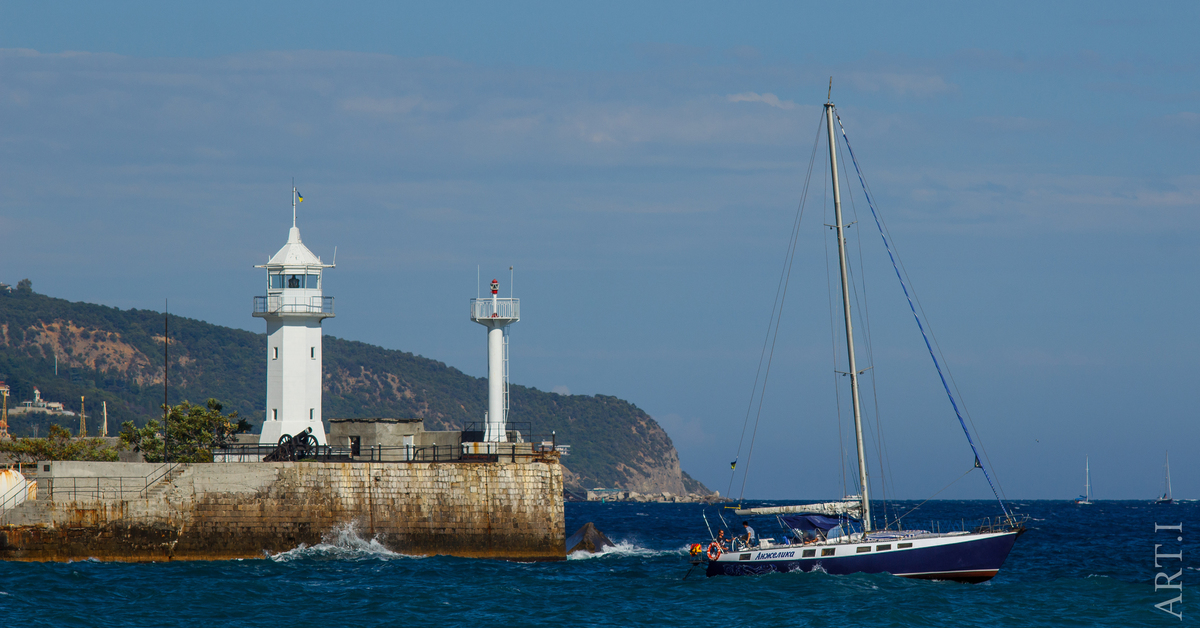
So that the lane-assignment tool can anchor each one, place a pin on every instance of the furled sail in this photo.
(829, 509)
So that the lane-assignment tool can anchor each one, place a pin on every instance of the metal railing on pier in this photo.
(74, 488)
(517, 432)
(493, 452)
(16, 494)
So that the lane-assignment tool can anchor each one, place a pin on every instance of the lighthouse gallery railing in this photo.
(277, 304)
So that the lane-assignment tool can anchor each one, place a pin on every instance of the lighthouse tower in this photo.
(293, 308)
(496, 314)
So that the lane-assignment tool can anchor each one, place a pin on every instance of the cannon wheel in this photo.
(308, 444)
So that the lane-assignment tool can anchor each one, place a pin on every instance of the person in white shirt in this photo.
(749, 538)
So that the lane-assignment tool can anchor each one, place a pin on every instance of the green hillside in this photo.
(113, 355)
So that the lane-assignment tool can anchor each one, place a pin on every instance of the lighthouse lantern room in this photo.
(294, 308)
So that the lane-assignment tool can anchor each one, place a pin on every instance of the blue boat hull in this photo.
(971, 560)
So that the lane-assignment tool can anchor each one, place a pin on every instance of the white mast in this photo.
(1087, 480)
(1168, 495)
(841, 238)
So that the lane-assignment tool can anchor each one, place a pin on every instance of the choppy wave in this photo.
(623, 548)
(344, 542)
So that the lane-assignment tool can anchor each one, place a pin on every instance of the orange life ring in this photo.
(714, 550)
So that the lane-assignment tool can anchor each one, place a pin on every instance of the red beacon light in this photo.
(495, 286)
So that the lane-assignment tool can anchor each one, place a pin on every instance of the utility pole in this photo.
(166, 365)
(82, 420)
(4, 417)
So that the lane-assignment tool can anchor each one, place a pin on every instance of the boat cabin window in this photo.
(903, 545)
(865, 548)
(827, 551)
(809, 553)
(880, 548)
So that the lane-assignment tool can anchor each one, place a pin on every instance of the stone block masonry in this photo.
(241, 510)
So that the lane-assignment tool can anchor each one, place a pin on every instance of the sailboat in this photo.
(840, 537)
(1086, 498)
(1166, 498)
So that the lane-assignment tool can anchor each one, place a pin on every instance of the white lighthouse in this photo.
(496, 314)
(293, 308)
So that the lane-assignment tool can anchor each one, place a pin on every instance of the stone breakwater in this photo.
(123, 511)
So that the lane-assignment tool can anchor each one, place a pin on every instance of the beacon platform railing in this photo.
(272, 304)
(483, 308)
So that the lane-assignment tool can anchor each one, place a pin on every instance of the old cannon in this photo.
(293, 448)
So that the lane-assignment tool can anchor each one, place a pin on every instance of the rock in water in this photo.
(588, 539)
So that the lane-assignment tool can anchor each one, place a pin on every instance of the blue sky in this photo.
(640, 166)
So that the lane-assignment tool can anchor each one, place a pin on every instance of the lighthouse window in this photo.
(274, 414)
(296, 281)
(312, 352)
(276, 282)
(274, 353)
(312, 282)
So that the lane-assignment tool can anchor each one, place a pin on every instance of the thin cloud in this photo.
(766, 98)
(921, 85)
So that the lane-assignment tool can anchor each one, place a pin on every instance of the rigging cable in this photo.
(914, 508)
(776, 316)
(920, 326)
(865, 318)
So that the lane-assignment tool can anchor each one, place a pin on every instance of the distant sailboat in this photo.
(1086, 498)
(1166, 498)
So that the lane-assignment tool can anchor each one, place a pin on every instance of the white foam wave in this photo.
(344, 542)
(623, 548)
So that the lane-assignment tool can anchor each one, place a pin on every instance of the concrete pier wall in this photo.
(125, 511)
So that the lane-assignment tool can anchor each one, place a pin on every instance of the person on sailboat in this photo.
(749, 538)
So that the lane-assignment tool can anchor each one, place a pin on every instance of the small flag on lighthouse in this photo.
(299, 197)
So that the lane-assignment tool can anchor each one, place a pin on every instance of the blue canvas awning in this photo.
(811, 522)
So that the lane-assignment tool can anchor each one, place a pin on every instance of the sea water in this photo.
(1076, 566)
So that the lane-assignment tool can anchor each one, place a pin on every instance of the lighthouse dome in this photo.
(294, 253)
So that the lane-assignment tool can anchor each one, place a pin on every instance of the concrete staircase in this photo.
(158, 488)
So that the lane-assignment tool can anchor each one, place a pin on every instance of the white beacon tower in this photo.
(293, 308)
(496, 314)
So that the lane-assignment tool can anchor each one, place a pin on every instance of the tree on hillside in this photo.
(195, 431)
(58, 446)
(24, 287)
